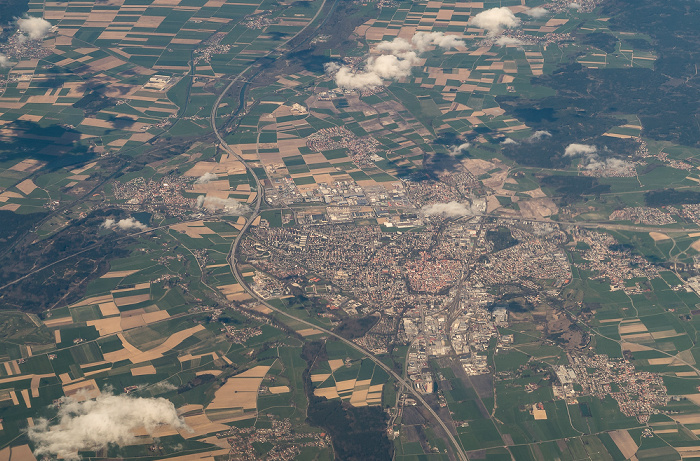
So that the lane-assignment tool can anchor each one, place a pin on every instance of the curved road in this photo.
(256, 212)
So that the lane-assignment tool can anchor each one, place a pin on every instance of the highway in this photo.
(233, 262)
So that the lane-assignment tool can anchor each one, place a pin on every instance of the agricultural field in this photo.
(359, 382)
(138, 333)
(325, 229)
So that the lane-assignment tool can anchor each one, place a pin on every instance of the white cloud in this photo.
(206, 177)
(33, 28)
(504, 40)
(124, 224)
(575, 150)
(618, 164)
(4, 61)
(392, 67)
(95, 424)
(590, 160)
(595, 162)
(163, 386)
(227, 205)
(397, 59)
(450, 210)
(346, 78)
(575, 6)
(539, 134)
(495, 20)
(377, 69)
(423, 40)
(130, 223)
(534, 137)
(458, 150)
(397, 45)
(536, 12)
